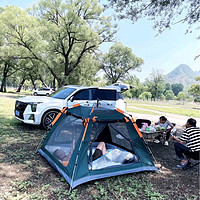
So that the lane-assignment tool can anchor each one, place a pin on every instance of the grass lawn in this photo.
(189, 109)
(24, 174)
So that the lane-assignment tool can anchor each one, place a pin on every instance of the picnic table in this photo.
(150, 135)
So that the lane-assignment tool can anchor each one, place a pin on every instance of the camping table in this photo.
(148, 135)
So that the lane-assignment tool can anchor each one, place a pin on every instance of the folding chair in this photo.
(140, 122)
(191, 160)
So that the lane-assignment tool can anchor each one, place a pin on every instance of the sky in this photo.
(164, 52)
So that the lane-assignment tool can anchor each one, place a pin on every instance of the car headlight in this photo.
(34, 106)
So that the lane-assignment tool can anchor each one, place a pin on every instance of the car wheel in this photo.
(48, 118)
(35, 93)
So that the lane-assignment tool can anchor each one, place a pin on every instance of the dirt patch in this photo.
(27, 175)
(170, 180)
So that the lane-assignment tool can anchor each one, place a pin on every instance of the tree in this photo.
(169, 95)
(60, 37)
(181, 96)
(197, 78)
(72, 31)
(164, 13)
(168, 86)
(7, 69)
(195, 88)
(176, 88)
(138, 88)
(19, 41)
(156, 84)
(118, 62)
(145, 95)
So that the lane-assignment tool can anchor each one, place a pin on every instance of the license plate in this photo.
(17, 113)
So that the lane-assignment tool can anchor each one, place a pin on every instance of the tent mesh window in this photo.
(112, 133)
(65, 137)
(119, 150)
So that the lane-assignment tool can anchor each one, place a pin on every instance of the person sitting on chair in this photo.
(191, 136)
(163, 122)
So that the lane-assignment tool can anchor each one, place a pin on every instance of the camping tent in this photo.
(75, 134)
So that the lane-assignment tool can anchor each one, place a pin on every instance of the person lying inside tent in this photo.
(61, 155)
(103, 157)
(99, 151)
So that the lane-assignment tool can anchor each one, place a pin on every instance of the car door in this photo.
(104, 97)
(82, 96)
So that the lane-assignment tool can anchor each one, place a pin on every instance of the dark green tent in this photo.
(77, 131)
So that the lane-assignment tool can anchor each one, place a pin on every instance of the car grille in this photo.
(19, 109)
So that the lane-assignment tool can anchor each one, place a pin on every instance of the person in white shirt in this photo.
(163, 122)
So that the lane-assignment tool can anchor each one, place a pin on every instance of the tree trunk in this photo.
(5, 74)
(3, 85)
(33, 82)
(45, 85)
(20, 85)
(54, 83)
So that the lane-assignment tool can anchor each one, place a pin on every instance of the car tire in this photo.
(35, 93)
(48, 118)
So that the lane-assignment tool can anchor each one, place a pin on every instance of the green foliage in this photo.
(169, 95)
(181, 96)
(145, 95)
(137, 90)
(156, 84)
(164, 14)
(197, 78)
(168, 87)
(55, 40)
(118, 62)
(176, 88)
(194, 89)
(134, 188)
(197, 99)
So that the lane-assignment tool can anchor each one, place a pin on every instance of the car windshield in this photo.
(62, 93)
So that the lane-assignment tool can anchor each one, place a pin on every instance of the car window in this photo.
(119, 95)
(62, 93)
(104, 94)
(82, 95)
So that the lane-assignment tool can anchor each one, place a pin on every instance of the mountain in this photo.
(182, 74)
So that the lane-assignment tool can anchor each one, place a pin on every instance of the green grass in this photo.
(177, 104)
(140, 111)
(26, 175)
(191, 110)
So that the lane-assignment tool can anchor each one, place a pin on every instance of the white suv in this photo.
(42, 110)
(43, 91)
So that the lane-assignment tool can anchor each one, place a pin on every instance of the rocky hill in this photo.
(182, 74)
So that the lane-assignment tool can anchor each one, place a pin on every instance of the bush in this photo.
(197, 99)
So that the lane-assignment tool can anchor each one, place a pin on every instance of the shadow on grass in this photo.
(22, 168)
(30, 175)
